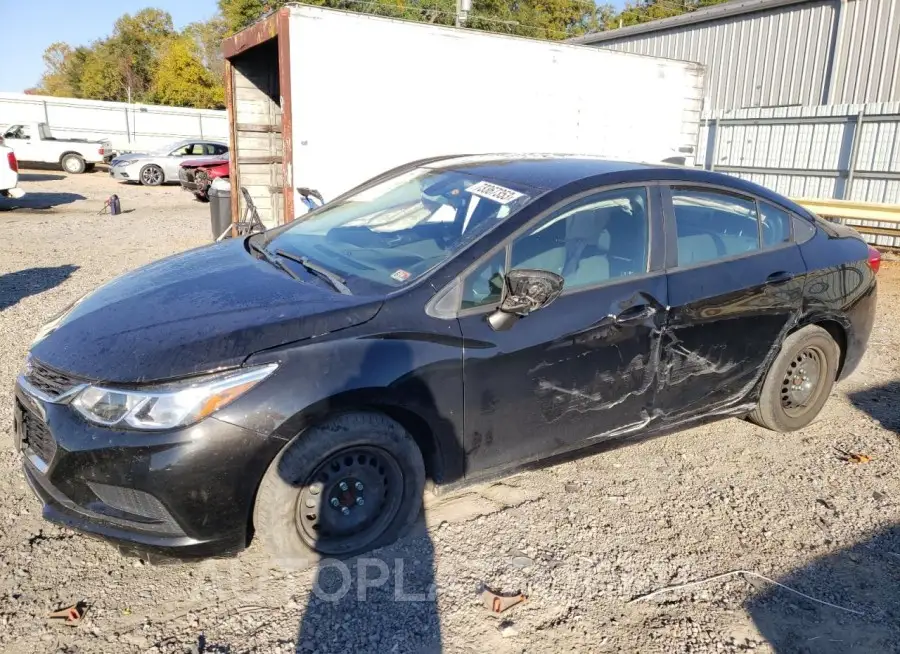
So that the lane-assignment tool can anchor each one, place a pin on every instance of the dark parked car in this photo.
(451, 320)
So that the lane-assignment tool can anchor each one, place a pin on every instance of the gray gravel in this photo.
(582, 540)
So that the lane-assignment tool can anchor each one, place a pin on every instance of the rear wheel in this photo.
(73, 164)
(346, 486)
(151, 175)
(799, 381)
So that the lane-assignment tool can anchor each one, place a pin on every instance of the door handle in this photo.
(635, 314)
(779, 277)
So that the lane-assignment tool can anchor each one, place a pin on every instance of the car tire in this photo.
(303, 513)
(201, 197)
(151, 175)
(73, 164)
(799, 381)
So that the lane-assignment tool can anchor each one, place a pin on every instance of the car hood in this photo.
(202, 310)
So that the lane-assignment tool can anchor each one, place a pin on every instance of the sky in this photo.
(38, 23)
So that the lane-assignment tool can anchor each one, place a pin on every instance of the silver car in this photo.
(155, 168)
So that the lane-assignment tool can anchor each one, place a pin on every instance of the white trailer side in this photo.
(327, 99)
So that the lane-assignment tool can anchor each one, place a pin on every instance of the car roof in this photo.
(549, 172)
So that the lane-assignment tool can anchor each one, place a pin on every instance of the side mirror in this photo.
(526, 291)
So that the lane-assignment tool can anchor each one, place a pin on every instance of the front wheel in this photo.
(344, 487)
(73, 164)
(151, 175)
(799, 381)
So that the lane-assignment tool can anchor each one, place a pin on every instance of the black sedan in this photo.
(451, 320)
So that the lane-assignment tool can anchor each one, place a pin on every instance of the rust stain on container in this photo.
(284, 82)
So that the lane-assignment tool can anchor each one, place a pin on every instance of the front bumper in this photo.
(124, 173)
(181, 493)
(189, 181)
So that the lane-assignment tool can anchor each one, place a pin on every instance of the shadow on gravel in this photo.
(882, 403)
(863, 579)
(31, 281)
(39, 201)
(40, 177)
(384, 600)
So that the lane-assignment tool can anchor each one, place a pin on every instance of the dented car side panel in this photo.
(562, 376)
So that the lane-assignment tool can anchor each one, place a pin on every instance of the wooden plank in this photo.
(249, 127)
(847, 209)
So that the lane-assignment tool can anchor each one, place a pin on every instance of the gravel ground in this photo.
(792, 548)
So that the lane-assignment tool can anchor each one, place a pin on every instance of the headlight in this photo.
(170, 405)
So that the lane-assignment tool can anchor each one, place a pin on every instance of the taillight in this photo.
(874, 259)
(13, 164)
(101, 152)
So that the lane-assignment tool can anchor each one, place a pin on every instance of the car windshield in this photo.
(167, 148)
(389, 234)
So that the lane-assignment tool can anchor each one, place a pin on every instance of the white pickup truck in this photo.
(9, 174)
(34, 143)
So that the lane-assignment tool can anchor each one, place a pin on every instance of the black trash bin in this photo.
(220, 206)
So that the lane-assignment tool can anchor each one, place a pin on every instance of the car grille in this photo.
(49, 381)
(37, 436)
(136, 503)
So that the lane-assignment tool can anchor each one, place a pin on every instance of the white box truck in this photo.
(326, 99)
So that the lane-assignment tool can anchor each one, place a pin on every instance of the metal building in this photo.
(765, 53)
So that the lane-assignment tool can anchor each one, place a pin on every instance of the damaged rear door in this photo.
(582, 368)
(735, 288)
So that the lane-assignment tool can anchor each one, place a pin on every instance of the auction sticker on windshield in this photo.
(401, 275)
(494, 192)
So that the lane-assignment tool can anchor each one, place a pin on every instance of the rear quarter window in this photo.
(803, 229)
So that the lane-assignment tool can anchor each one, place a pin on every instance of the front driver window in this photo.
(592, 240)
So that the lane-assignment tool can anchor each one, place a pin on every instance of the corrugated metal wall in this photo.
(801, 54)
(812, 152)
(867, 64)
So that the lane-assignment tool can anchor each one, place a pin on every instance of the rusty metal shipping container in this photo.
(325, 99)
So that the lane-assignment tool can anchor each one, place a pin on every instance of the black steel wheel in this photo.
(348, 485)
(799, 380)
(803, 380)
(355, 492)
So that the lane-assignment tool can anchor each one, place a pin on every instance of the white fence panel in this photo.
(130, 127)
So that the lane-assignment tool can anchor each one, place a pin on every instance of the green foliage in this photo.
(239, 14)
(182, 80)
(643, 11)
(145, 59)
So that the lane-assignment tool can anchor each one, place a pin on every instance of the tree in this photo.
(182, 80)
(102, 77)
(239, 14)
(55, 80)
(136, 44)
(208, 37)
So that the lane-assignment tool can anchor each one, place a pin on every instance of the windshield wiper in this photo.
(318, 270)
(270, 259)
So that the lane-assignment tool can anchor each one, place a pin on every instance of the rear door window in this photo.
(713, 225)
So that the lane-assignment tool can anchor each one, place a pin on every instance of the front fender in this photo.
(415, 378)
